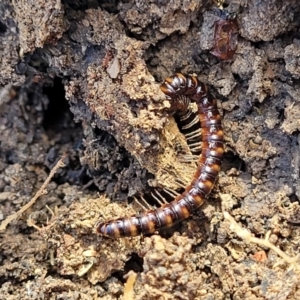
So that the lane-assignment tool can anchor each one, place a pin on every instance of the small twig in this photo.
(128, 288)
(248, 237)
(40, 192)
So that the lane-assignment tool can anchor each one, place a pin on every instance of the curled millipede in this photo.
(180, 90)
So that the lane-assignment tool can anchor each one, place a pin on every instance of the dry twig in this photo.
(248, 237)
(40, 192)
(128, 288)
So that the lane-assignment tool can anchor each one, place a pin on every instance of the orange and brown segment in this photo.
(209, 163)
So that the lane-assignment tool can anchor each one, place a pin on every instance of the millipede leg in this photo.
(170, 192)
(192, 123)
(193, 135)
(186, 116)
(180, 183)
(188, 158)
(144, 206)
(159, 198)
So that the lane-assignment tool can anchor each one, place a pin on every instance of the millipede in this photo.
(180, 90)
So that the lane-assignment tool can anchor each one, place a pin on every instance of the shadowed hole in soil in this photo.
(294, 216)
(110, 6)
(58, 106)
(3, 28)
(294, 198)
(281, 115)
(60, 126)
(232, 160)
(135, 263)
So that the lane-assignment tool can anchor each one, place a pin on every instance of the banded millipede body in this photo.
(181, 89)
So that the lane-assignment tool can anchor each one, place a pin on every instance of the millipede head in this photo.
(174, 85)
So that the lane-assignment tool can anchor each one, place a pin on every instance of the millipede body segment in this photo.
(180, 90)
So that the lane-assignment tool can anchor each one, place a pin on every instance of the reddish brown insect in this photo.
(180, 90)
(226, 36)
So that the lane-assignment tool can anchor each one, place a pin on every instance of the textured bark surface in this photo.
(82, 78)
